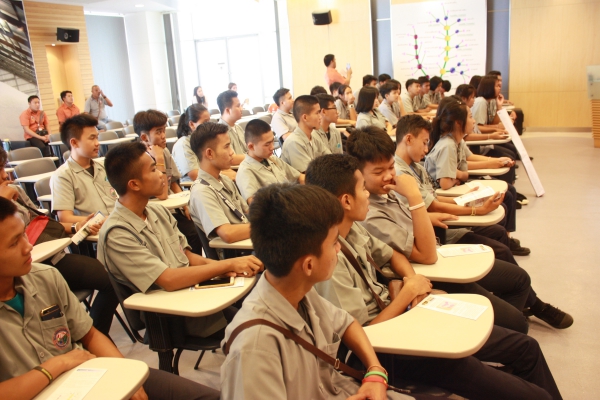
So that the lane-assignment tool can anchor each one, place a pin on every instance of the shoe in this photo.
(521, 199)
(516, 249)
(518, 205)
(551, 315)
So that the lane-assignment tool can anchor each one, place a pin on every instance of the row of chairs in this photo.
(245, 113)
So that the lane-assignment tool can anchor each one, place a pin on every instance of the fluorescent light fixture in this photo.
(139, 5)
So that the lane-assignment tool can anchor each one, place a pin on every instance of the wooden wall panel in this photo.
(551, 44)
(42, 21)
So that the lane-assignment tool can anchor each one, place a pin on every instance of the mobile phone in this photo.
(347, 65)
(51, 312)
(216, 282)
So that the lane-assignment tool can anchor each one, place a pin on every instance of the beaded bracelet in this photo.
(377, 373)
(376, 379)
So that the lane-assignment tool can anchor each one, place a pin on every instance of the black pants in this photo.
(40, 144)
(162, 385)
(83, 272)
(188, 229)
(468, 377)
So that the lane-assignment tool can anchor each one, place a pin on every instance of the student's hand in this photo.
(246, 266)
(437, 218)
(372, 390)
(417, 300)
(498, 135)
(491, 203)
(45, 139)
(359, 396)
(140, 395)
(504, 162)
(349, 71)
(499, 101)
(417, 285)
(94, 228)
(351, 99)
(74, 358)
(8, 192)
(157, 153)
(405, 185)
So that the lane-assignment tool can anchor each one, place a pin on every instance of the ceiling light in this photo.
(53, 44)
(139, 5)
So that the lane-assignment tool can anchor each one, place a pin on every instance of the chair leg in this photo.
(176, 361)
(127, 331)
(199, 359)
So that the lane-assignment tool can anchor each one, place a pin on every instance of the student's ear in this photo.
(144, 137)
(209, 153)
(134, 185)
(73, 143)
(250, 146)
(346, 202)
(408, 138)
(307, 265)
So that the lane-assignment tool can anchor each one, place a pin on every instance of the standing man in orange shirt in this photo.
(68, 108)
(36, 129)
(331, 75)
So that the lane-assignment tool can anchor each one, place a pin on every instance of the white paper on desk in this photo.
(77, 386)
(185, 193)
(453, 307)
(475, 198)
(84, 231)
(516, 139)
(237, 283)
(453, 251)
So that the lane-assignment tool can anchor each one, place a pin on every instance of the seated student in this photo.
(333, 89)
(140, 244)
(367, 80)
(302, 147)
(231, 112)
(410, 231)
(368, 113)
(318, 90)
(390, 108)
(489, 100)
(327, 131)
(475, 80)
(413, 88)
(434, 96)
(79, 271)
(283, 122)
(298, 252)
(345, 106)
(185, 158)
(445, 88)
(36, 129)
(382, 79)
(68, 108)
(150, 126)
(261, 168)
(35, 350)
(467, 376)
(216, 205)
(96, 104)
(420, 102)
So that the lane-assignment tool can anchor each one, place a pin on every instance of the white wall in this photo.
(12, 104)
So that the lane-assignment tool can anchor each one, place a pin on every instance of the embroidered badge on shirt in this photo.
(61, 337)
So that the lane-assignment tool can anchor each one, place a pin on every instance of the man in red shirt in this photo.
(331, 75)
(68, 108)
(36, 129)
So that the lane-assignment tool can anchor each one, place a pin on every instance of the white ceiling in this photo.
(121, 6)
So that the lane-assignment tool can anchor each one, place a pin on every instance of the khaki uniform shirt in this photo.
(446, 158)
(419, 102)
(185, 158)
(236, 135)
(253, 175)
(373, 117)
(74, 189)
(208, 210)
(172, 171)
(432, 98)
(346, 289)
(334, 141)
(342, 109)
(298, 151)
(28, 341)
(407, 102)
(390, 111)
(283, 123)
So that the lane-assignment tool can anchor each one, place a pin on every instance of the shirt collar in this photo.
(135, 221)
(300, 133)
(354, 239)
(289, 114)
(75, 167)
(215, 183)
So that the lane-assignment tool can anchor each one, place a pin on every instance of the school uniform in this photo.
(407, 102)
(236, 135)
(373, 117)
(342, 109)
(207, 208)
(283, 123)
(432, 98)
(521, 353)
(391, 112)
(264, 364)
(253, 175)
(480, 111)
(76, 189)
(185, 158)
(299, 151)
(332, 139)
(419, 102)
(139, 251)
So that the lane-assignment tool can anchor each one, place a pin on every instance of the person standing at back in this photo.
(331, 74)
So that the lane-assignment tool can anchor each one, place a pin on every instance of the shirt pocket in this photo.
(177, 251)
(108, 190)
(332, 348)
(57, 336)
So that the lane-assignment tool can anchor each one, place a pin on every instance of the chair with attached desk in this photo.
(26, 153)
(113, 125)
(171, 132)
(42, 188)
(267, 118)
(174, 120)
(173, 113)
(33, 167)
(258, 109)
(246, 113)
(104, 136)
(128, 130)
(58, 147)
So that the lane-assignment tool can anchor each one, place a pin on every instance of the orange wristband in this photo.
(374, 378)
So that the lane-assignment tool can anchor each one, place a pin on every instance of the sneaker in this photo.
(516, 249)
(521, 199)
(554, 317)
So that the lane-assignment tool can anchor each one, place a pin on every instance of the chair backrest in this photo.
(113, 125)
(174, 120)
(170, 132)
(108, 135)
(26, 153)
(123, 291)
(129, 130)
(173, 113)
(266, 106)
(246, 113)
(170, 146)
(208, 251)
(243, 124)
(55, 137)
(35, 167)
(42, 187)
(257, 109)
(214, 111)
(267, 118)
(66, 155)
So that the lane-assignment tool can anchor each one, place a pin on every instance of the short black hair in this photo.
(450, 111)
(72, 128)
(342, 89)
(334, 173)
(396, 82)
(3, 157)
(122, 163)
(367, 79)
(423, 79)
(366, 99)
(318, 90)
(447, 85)
(225, 100)
(387, 87)
(334, 87)
(487, 87)
(8, 208)
(434, 82)
(303, 105)
(204, 135)
(412, 124)
(193, 113)
(64, 93)
(324, 100)
(145, 121)
(494, 72)
(370, 144)
(255, 129)
(465, 91)
(328, 59)
(410, 82)
(30, 98)
(281, 232)
(384, 78)
(279, 94)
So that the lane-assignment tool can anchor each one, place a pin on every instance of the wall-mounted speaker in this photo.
(322, 17)
(67, 35)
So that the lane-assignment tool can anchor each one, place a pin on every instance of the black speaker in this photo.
(67, 35)
(321, 17)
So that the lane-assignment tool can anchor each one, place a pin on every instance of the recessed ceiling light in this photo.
(53, 44)
(139, 5)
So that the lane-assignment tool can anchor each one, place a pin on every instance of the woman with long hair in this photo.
(198, 97)
(367, 111)
(186, 160)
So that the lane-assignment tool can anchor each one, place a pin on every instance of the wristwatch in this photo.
(74, 228)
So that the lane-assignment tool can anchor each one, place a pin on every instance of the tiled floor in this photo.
(562, 228)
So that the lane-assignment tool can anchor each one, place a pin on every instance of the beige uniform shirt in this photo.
(171, 169)
(28, 341)
(334, 141)
(298, 151)
(236, 135)
(373, 117)
(346, 289)
(185, 158)
(419, 102)
(390, 111)
(208, 210)
(253, 175)
(407, 102)
(342, 109)
(283, 123)
(74, 189)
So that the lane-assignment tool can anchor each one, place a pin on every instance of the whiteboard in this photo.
(439, 38)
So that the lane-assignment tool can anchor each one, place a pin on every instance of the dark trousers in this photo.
(40, 144)
(162, 385)
(510, 209)
(188, 229)
(468, 377)
(83, 272)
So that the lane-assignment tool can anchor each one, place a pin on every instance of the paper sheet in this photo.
(453, 307)
(475, 198)
(185, 193)
(453, 251)
(77, 386)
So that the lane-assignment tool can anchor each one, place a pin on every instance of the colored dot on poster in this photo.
(446, 18)
(442, 71)
(416, 36)
(419, 66)
(458, 65)
(417, 57)
(446, 27)
(416, 47)
(462, 72)
(447, 38)
(457, 46)
(447, 48)
(437, 20)
(456, 31)
(452, 70)
(446, 58)
(458, 20)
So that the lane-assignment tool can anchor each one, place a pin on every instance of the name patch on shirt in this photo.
(61, 337)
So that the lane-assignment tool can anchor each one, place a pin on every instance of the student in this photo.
(231, 112)
(140, 244)
(216, 205)
(35, 351)
(333, 89)
(410, 231)
(283, 122)
(233, 86)
(301, 147)
(327, 131)
(345, 105)
(185, 158)
(475, 80)
(298, 252)
(467, 377)
(489, 100)
(150, 126)
(318, 90)
(80, 272)
(68, 108)
(446, 86)
(96, 106)
(261, 168)
(36, 129)
(382, 79)
(368, 114)
(198, 97)
(420, 102)
(413, 88)
(390, 108)
(331, 74)
(434, 96)
(367, 80)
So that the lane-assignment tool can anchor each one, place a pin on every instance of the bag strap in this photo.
(227, 202)
(350, 257)
(41, 119)
(33, 210)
